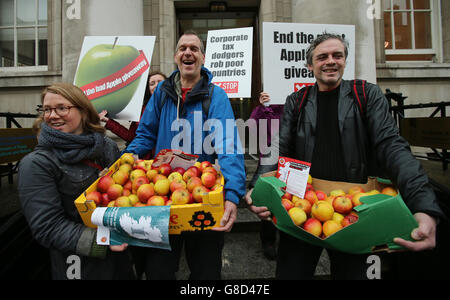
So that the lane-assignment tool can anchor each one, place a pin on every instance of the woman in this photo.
(71, 149)
(268, 232)
(128, 134)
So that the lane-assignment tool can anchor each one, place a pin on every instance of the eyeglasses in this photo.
(61, 111)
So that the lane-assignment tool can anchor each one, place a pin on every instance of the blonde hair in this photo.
(89, 116)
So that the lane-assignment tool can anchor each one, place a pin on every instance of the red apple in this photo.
(287, 204)
(321, 195)
(123, 201)
(313, 226)
(137, 173)
(174, 175)
(342, 205)
(177, 184)
(151, 174)
(349, 219)
(137, 182)
(128, 185)
(105, 199)
(165, 169)
(194, 181)
(104, 183)
(311, 197)
(159, 177)
(287, 196)
(204, 164)
(304, 204)
(120, 177)
(114, 191)
(208, 179)
(144, 192)
(156, 201)
(195, 170)
(180, 197)
(210, 170)
(198, 192)
(140, 164)
(179, 170)
(95, 196)
(355, 190)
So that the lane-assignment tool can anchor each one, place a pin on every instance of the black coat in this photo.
(370, 144)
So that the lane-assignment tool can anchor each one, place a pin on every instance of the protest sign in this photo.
(284, 56)
(229, 58)
(112, 72)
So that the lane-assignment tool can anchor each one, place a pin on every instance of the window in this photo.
(409, 29)
(23, 33)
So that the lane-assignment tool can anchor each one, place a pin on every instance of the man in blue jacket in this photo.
(176, 118)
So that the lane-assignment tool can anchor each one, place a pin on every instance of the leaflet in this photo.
(136, 226)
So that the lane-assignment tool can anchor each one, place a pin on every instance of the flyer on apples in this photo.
(143, 226)
(295, 174)
(284, 56)
(112, 71)
(229, 58)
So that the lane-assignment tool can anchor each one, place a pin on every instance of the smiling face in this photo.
(328, 64)
(70, 123)
(189, 58)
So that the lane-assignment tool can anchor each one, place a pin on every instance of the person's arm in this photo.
(394, 155)
(43, 209)
(127, 134)
(230, 155)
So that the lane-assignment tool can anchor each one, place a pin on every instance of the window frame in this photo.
(436, 38)
(36, 26)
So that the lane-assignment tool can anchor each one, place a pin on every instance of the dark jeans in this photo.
(203, 255)
(298, 260)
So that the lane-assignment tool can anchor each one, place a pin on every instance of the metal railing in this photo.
(398, 112)
(11, 167)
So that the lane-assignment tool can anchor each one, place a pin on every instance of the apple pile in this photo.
(321, 214)
(137, 183)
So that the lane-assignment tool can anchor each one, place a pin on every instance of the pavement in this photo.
(242, 255)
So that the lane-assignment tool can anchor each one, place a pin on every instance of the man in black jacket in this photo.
(343, 144)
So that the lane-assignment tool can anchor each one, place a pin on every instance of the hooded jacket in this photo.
(169, 122)
(369, 142)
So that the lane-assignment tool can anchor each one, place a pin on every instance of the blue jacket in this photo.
(168, 123)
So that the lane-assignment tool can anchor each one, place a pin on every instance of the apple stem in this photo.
(115, 41)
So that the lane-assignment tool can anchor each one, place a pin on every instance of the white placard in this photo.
(112, 71)
(229, 58)
(284, 56)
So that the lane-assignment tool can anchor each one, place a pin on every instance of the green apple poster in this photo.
(112, 71)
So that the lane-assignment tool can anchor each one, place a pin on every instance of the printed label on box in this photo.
(295, 174)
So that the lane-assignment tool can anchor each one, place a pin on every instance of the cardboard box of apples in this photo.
(194, 190)
(349, 217)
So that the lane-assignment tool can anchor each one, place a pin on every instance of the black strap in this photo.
(359, 95)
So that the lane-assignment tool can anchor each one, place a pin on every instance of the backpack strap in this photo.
(359, 95)
(207, 102)
(302, 95)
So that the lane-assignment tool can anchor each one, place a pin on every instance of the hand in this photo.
(261, 211)
(425, 234)
(229, 216)
(102, 116)
(264, 97)
(118, 248)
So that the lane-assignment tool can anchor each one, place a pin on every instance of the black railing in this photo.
(398, 112)
(11, 167)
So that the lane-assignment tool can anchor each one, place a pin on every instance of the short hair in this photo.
(193, 32)
(89, 116)
(322, 38)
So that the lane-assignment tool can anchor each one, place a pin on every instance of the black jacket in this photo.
(370, 143)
